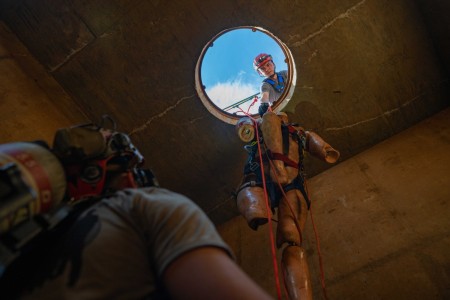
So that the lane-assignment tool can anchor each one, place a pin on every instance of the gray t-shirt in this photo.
(119, 248)
(267, 87)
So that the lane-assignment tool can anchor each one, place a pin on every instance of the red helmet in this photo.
(260, 60)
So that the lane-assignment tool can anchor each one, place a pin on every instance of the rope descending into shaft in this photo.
(297, 225)
(269, 217)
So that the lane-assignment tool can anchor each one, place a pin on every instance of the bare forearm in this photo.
(208, 273)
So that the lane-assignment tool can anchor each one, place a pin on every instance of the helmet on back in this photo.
(260, 60)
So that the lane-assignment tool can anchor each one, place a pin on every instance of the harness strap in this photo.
(285, 134)
(287, 161)
(280, 87)
(298, 184)
(292, 129)
(286, 130)
(249, 184)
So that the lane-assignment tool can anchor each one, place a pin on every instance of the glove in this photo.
(263, 107)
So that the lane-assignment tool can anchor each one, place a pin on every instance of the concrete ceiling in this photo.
(366, 70)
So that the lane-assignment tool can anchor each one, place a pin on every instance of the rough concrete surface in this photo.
(382, 218)
(367, 69)
(368, 72)
(27, 111)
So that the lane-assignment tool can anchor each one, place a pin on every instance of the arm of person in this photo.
(264, 97)
(264, 105)
(209, 273)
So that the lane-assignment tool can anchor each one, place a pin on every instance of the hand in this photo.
(263, 107)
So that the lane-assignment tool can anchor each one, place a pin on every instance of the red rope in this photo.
(272, 240)
(271, 235)
(253, 103)
(297, 225)
(322, 273)
(269, 217)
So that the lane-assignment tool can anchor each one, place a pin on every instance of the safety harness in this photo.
(253, 167)
(277, 87)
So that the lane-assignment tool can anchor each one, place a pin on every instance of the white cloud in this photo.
(226, 93)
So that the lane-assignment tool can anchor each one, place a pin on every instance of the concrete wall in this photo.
(28, 96)
(383, 221)
(366, 69)
(382, 216)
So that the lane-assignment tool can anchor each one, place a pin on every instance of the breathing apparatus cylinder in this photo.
(32, 182)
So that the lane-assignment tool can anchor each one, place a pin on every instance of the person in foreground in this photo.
(136, 241)
(142, 243)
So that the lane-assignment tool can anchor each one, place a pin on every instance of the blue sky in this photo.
(227, 69)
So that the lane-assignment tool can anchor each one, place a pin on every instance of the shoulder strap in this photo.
(280, 87)
(269, 81)
(28, 244)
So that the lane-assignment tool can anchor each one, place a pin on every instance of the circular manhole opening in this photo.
(227, 81)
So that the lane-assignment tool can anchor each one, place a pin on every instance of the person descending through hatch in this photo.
(273, 85)
(275, 166)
